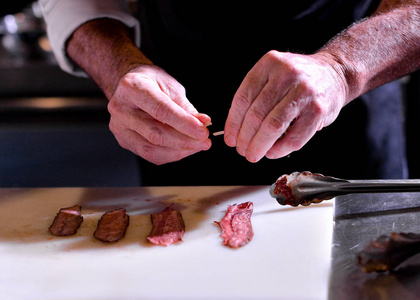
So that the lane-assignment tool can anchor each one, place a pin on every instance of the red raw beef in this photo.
(236, 225)
(168, 227)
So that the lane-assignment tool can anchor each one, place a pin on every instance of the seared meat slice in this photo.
(112, 226)
(67, 221)
(236, 225)
(387, 252)
(168, 227)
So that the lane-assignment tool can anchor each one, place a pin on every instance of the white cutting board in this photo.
(288, 258)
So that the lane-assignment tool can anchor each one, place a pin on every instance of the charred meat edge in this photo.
(67, 221)
(112, 226)
(387, 252)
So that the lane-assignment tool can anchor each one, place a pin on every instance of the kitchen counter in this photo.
(288, 258)
(364, 217)
(297, 253)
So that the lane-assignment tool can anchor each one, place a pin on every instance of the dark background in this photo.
(54, 127)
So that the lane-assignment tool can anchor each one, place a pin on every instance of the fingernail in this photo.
(252, 159)
(205, 119)
(271, 155)
(230, 140)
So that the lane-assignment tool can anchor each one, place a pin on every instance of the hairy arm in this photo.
(379, 49)
(310, 90)
(105, 50)
(150, 113)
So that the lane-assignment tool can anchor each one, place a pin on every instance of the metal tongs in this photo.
(305, 188)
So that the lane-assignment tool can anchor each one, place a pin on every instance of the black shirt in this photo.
(209, 46)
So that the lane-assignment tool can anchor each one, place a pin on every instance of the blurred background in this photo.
(54, 127)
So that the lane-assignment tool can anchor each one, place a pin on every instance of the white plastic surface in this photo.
(288, 258)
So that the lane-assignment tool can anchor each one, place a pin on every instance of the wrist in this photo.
(344, 75)
(106, 51)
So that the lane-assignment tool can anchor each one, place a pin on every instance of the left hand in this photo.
(280, 88)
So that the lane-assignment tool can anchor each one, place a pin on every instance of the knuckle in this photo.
(274, 125)
(232, 125)
(156, 136)
(293, 72)
(130, 80)
(181, 89)
(273, 55)
(125, 81)
(306, 88)
(295, 144)
(112, 107)
(241, 100)
(152, 154)
(314, 99)
(184, 145)
(149, 153)
(318, 109)
(254, 119)
(276, 57)
(160, 111)
(241, 143)
(256, 116)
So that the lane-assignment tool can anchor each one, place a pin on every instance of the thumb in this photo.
(203, 118)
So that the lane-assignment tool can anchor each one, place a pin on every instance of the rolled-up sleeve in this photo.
(63, 17)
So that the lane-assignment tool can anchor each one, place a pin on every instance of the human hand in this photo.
(151, 116)
(308, 90)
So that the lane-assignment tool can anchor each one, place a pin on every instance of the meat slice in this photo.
(112, 226)
(236, 225)
(67, 221)
(388, 252)
(168, 227)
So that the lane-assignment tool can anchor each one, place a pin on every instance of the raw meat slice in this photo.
(67, 221)
(236, 225)
(112, 226)
(168, 227)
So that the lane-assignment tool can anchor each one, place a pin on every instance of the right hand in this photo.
(151, 116)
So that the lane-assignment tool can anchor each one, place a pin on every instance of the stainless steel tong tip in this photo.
(305, 188)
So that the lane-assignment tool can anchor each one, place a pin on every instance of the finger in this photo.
(272, 93)
(165, 110)
(249, 89)
(273, 127)
(163, 135)
(303, 129)
(158, 133)
(158, 155)
(176, 93)
(205, 119)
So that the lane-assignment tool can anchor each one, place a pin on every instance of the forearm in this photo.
(105, 50)
(379, 49)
